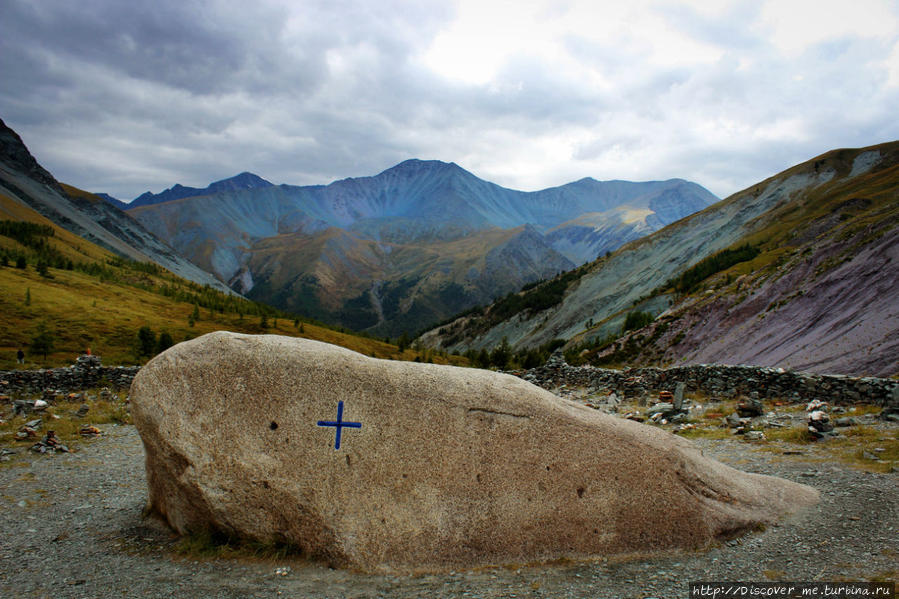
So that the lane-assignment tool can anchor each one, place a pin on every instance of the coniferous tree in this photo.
(403, 342)
(42, 342)
(28, 296)
(146, 341)
(501, 354)
(165, 342)
(194, 316)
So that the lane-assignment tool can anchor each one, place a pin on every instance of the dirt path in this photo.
(71, 526)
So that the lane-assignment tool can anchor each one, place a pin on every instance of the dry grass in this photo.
(211, 545)
(853, 446)
(706, 433)
(797, 435)
(82, 311)
(850, 447)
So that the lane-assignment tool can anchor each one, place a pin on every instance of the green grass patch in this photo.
(706, 433)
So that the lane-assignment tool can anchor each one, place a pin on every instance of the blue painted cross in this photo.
(339, 424)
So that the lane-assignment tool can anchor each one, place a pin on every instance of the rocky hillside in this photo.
(798, 271)
(411, 245)
(24, 181)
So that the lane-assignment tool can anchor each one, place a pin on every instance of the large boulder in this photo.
(448, 467)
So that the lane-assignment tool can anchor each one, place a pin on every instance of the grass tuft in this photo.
(797, 434)
(207, 544)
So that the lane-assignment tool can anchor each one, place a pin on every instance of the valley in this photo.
(795, 271)
(433, 237)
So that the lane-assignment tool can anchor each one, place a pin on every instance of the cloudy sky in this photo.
(125, 97)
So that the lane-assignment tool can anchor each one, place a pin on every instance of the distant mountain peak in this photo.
(416, 165)
(244, 180)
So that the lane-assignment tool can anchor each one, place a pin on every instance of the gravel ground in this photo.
(71, 526)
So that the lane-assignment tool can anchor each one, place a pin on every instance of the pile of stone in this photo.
(29, 406)
(89, 431)
(750, 407)
(819, 424)
(87, 363)
(28, 430)
(670, 407)
(747, 419)
(49, 444)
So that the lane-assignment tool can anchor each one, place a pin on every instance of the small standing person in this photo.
(20, 356)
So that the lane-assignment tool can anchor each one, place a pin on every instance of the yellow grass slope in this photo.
(105, 312)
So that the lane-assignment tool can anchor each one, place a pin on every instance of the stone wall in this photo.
(720, 381)
(714, 380)
(86, 373)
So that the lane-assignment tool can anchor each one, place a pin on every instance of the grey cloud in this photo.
(122, 97)
(167, 43)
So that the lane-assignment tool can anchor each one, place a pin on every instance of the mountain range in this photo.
(176, 192)
(408, 247)
(798, 271)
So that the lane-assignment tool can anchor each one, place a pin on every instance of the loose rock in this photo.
(750, 407)
(678, 399)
